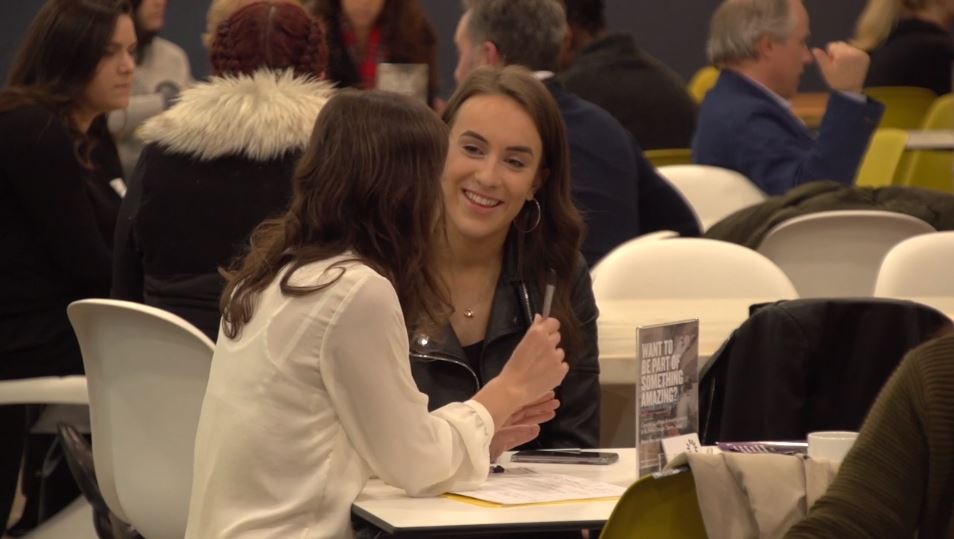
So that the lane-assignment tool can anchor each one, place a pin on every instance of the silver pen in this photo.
(548, 293)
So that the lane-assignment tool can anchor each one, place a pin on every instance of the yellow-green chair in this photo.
(932, 169)
(880, 164)
(904, 106)
(941, 113)
(663, 508)
(664, 157)
(702, 82)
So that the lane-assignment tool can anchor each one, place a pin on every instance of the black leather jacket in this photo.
(442, 371)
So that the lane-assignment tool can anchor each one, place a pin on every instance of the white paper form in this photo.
(519, 486)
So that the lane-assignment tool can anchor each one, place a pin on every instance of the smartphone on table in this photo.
(565, 456)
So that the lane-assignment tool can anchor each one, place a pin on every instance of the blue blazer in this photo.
(741, 127)
(618, 192)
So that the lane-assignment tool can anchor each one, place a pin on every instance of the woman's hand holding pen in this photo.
(537, 364)
(535, 368)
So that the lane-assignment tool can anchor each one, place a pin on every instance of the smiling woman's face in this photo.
(493, 161)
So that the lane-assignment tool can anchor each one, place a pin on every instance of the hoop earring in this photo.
(537, 221)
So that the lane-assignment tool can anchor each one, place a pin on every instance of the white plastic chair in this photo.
(713, 192)
(837, 253)
(45, 390)
(918, 266)
(652, 236)
(74, 521)
(692, 268)
(689, 268)
(147, 371)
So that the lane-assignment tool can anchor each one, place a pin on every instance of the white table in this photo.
(934, 139)
(392, 511)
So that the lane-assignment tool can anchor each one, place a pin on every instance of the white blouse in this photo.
(314, 397)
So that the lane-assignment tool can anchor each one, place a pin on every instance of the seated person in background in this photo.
(909, 43)
(508, 222)
(611, 182)
(310, 391)
(162, 71)
(608, 69)
(57, 211)
(364, 33)
(898, 478)
(746, 122)
(220, 161)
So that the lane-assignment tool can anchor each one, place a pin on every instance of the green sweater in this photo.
(898, 479)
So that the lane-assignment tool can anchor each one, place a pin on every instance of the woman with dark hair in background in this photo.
(364, 33)
(56, 202)
(220, 161)
(510, 222)
(162, 71)
(310, 392)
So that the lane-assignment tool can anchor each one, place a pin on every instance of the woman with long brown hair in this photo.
(310, 391)
(57, 207)
(511, 228)
(364, 33)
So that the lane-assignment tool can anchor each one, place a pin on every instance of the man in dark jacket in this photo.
(616, 189)
(746, 122)
(643, 94)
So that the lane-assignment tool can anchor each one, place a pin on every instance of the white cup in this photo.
(830, 445)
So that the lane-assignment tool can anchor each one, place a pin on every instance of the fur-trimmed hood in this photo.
(260, 116)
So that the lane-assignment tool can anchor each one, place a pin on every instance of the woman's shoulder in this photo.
(347, 273)
(31, 117)
(31, 129)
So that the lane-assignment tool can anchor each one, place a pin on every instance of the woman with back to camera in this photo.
(310, 391)
(510, 222)
(56, 205)
(364, 33)
(220, 161)
(910, 43)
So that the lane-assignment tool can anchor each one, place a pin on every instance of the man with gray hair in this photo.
(746, 123)
(616, 189)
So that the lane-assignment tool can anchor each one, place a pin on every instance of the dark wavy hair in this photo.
(272, 34)
(407, 34)
(58, 59)
(554, 243)
(369, 182)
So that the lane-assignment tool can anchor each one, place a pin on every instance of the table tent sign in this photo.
(667, 392)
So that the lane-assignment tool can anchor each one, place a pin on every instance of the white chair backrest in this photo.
(837, 253)
(688, 268)
(45, 390)
(918, 266)
(652, 236)
(713, 192)
(146, 370)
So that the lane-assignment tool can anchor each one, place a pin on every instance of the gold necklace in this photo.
(488, 290)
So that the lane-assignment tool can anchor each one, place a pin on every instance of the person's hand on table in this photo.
(524, 425)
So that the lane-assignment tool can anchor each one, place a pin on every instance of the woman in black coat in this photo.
(59, 192)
